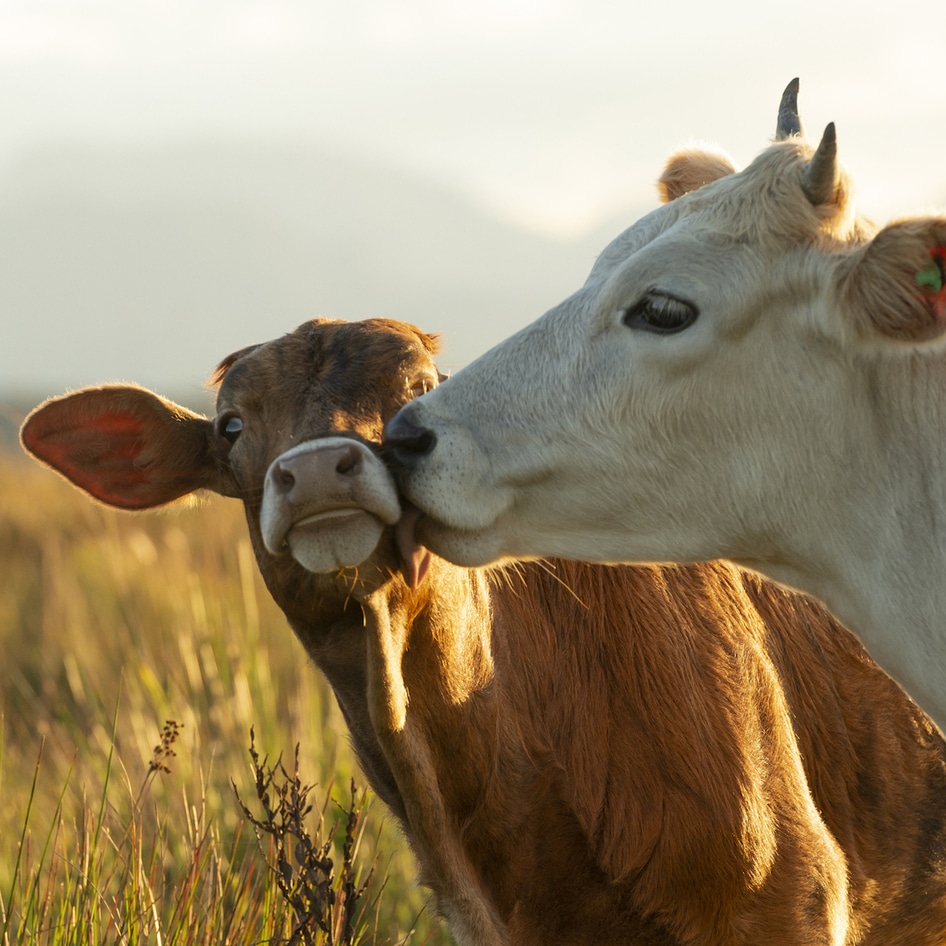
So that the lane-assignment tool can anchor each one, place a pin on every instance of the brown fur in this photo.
(584, 754)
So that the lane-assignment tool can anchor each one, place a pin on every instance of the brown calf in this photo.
(578, 754)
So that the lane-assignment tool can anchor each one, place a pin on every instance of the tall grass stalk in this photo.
(110, 625)
(8, 902)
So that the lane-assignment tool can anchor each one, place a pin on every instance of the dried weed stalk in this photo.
(324, 900)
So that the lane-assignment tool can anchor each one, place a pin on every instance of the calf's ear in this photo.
(895, 285)
(124, 445)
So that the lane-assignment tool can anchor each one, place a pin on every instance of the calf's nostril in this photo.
(348, 461)
(408, 441)
(283, 478)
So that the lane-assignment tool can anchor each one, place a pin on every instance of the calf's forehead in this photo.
(323, 367)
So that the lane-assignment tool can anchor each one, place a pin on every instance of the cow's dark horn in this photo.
(789, 124)
(820, 179)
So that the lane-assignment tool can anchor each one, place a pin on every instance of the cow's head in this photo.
(711, 366)
(295, 437)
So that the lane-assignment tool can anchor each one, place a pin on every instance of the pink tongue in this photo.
(416, 557)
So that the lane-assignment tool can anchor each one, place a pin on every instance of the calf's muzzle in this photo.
(327, 501)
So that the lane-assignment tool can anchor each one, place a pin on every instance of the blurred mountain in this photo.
(151, 265)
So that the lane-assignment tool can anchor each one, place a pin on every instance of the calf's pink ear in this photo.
(123, 445)
(895, 285)
(691, 169)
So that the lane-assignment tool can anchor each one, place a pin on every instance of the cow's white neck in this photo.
(874, 550)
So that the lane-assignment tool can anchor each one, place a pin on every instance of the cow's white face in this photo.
(713, 372)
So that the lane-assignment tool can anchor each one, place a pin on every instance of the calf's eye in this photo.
(230, 427)
(661, 314)
(422, 386)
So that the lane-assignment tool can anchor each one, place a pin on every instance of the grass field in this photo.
(138, 652)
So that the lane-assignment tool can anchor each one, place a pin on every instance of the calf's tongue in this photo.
(416, 559)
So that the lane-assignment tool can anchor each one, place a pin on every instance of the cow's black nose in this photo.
(405, 441)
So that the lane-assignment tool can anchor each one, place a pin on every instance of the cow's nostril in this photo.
(407, 441)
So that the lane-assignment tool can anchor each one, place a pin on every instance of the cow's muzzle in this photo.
(406, 442)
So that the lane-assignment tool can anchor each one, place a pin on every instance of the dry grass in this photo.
(112, 625)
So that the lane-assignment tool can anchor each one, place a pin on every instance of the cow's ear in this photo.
(691, 169)
(895, 285)
(124, 445)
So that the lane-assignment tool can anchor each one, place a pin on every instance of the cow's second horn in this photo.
(819, 180)
(789, 124)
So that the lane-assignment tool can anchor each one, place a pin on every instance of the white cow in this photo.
(750, 372)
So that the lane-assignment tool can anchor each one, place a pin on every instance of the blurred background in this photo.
(180, 179)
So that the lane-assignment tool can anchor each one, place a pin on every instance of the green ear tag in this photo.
(931, 276)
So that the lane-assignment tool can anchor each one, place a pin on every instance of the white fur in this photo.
(781, 430)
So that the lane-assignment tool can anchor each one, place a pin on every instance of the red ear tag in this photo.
(932, 280)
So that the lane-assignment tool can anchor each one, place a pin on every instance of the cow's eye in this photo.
(230, 426)
(661, 314)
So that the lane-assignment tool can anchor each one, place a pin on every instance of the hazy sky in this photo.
(551, 115)
(545, 111)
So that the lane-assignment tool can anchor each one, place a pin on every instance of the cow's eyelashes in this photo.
(230, 426)
(660, 313)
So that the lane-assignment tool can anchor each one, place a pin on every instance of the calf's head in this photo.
(295, 437)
